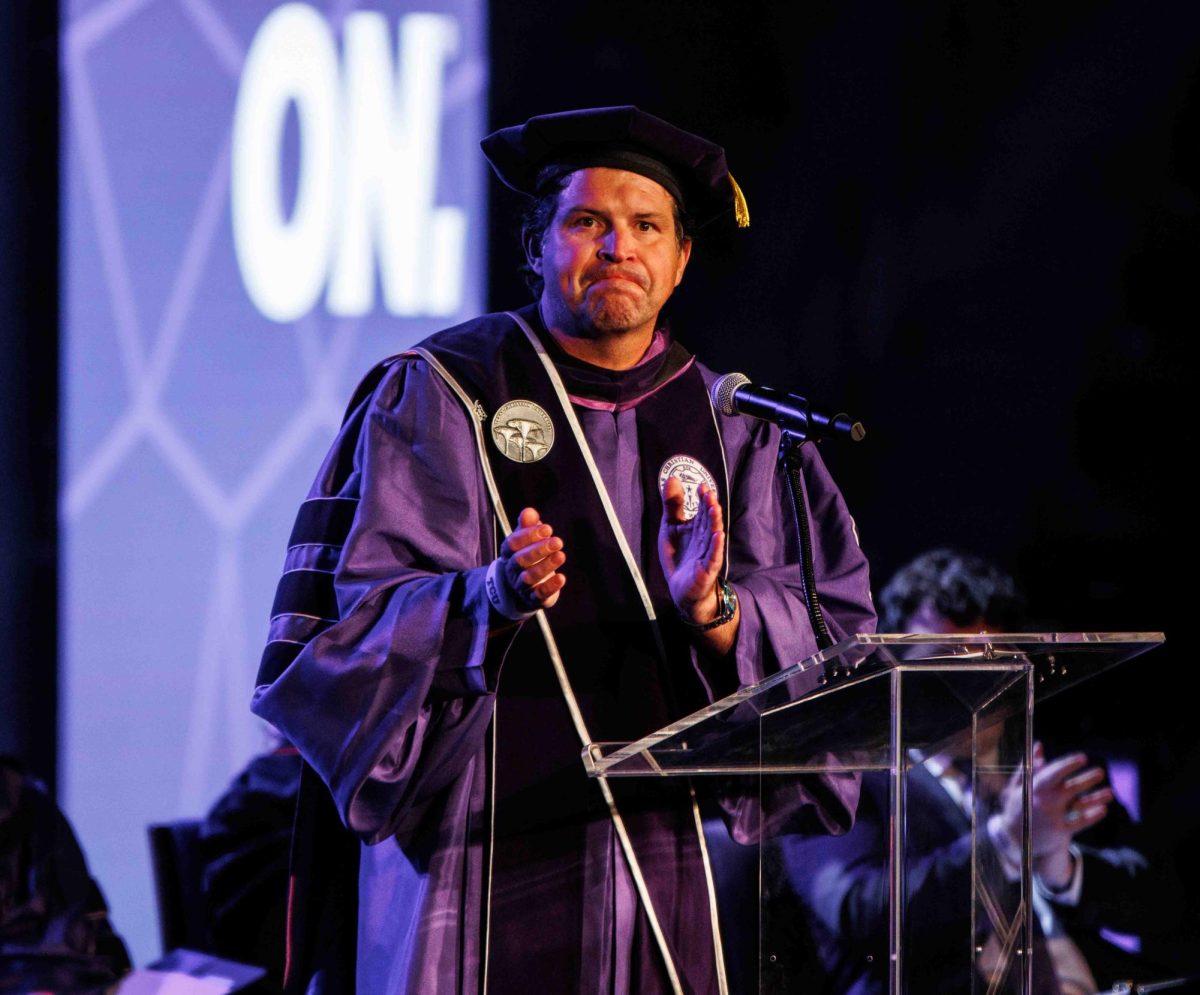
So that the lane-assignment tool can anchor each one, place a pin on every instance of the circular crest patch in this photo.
(522, 431)
(691, 473)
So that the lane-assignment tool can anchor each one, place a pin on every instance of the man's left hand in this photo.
(692, 552)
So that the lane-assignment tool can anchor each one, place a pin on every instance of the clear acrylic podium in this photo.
(882, 705)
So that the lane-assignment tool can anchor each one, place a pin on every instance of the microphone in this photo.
(735, 394)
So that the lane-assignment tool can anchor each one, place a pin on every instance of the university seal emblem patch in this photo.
(691, 473)
(522, 431)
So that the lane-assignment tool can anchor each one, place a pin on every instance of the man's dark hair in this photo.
(537, 217)
(959, 586)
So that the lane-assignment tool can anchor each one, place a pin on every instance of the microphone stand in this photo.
(790, 444)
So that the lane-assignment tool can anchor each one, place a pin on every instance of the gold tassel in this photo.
(741, 212)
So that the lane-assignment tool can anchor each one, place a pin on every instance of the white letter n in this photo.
(393, 119)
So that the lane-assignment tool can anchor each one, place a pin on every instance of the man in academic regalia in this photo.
(439, 674)
(1090, 875)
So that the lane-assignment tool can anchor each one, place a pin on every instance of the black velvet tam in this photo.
(691, 168)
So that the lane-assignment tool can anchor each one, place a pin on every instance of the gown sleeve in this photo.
(392, 699)
(775, 631)
(764, 557)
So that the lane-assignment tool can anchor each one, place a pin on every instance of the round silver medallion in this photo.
(522, 431)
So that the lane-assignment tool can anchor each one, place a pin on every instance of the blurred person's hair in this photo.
(959, 586)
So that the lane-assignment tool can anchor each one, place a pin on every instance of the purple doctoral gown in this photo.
(391, 704)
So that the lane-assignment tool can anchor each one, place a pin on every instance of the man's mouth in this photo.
(617, 278)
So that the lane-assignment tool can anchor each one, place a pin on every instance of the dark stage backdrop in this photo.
(28, 373)
(976, 227)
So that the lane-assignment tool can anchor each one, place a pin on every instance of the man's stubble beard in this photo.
(615, 314)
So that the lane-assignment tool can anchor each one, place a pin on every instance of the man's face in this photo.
(609, 257)
(928, 619)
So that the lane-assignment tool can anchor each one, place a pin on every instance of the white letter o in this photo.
(284, 261)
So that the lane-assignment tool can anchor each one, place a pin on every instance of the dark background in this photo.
(976, 227)
(29, 382)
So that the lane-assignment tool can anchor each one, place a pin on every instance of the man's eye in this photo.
(646, 226)
(585, 222)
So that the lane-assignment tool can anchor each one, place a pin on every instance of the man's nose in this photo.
(616, 244)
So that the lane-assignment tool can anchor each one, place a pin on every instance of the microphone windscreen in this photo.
(724, 388)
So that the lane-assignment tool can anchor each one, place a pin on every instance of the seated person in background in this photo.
(55, 934)
(244, 844)
(842, 883)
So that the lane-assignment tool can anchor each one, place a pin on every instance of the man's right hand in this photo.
(1066, 797)
(530, 558)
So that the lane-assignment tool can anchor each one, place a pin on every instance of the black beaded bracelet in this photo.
(727, 601)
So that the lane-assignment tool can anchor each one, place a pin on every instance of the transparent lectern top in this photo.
(847, 707)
